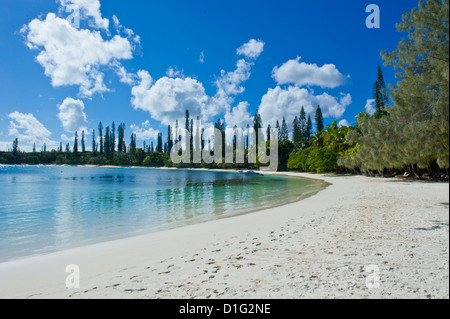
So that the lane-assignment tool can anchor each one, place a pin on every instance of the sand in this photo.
(360, 237)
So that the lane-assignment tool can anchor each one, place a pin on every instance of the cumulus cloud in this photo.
(370, 106)
(278, 103)
(229, 83)
(88, 9)
(238, 116)
(252, 49)
(29, 130)
(145, 131)
(72, 115)
(73, 56)
(304, 74)
(168, 98)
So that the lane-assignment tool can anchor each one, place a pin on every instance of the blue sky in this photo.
(145, 62)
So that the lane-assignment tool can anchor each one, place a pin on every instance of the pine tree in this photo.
(296, 131)
(277, 127)
(257, 124)
(121, 138)
(177, 133)
(75, 144)
(268, 133)
(202, 141)
(83, 145)
(319, 120)
(159, 145)
(169, 139)
(187, 126)
(302, 125)
(284, 131)
(234, 137)
(133, 143)
(15, 147)
(113, 137)
(246, 146)
(319, 126)
(379, 93)
(94, 143)
(100, 134)
(197, 135)
(308, 132)
(107, 141)
(191, 136)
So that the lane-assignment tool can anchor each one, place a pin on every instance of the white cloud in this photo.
(278, 103)
(238, 116)
(144, 132)
(370, 106)
(73, 56)
(201, 58)
(252, 49)
(6, 146)
(133, 38)
(343, 122)
(67, 139)
(168, 99)
(29, 130)
(229, 83)
(87, 9)
(173, 72)
(304, 74)
(124, 76)
(72, 116)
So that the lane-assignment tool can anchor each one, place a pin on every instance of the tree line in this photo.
(110, 148)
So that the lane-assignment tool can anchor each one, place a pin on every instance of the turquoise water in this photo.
(50, 208)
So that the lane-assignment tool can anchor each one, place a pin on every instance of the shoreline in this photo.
(312, 248)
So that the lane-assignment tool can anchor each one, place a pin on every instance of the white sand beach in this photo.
(319, 247)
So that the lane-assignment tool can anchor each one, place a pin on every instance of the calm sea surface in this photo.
(50, 208)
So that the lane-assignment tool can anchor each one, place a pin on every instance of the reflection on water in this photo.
(47, 208)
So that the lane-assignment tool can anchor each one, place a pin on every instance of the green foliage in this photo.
(156, 159)
(414, 132)
(298, 160)
(322, 160)
(313, 159)
(285, 148)
(379, 94)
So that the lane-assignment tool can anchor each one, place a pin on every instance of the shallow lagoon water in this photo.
(49, 208)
